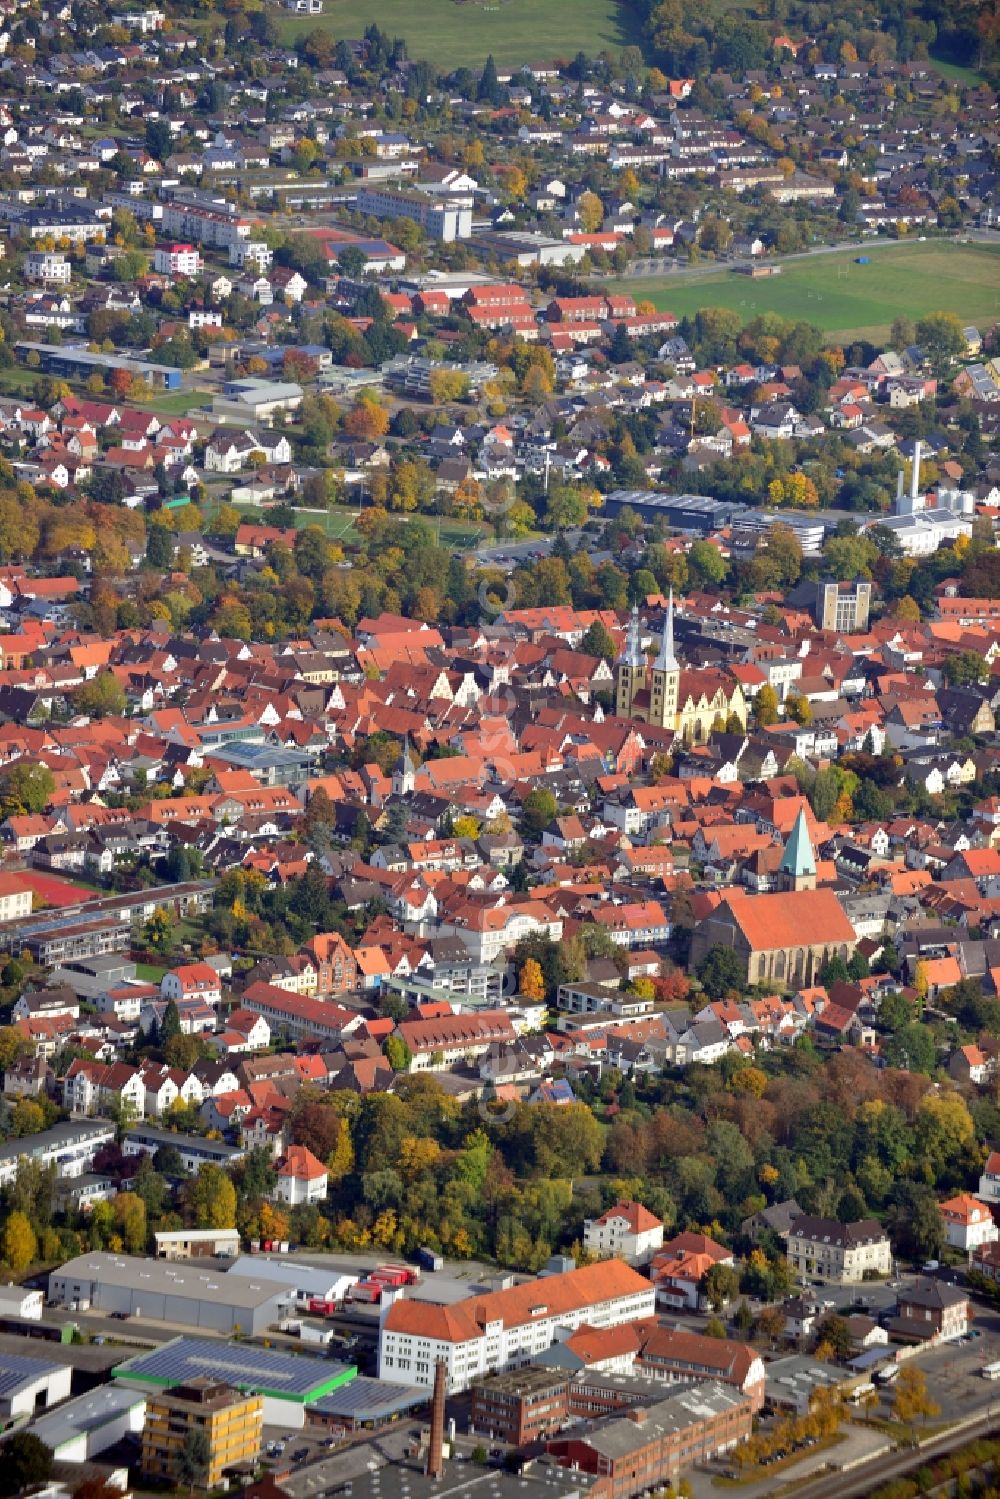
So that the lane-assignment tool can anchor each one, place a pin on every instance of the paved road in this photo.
(872, 1475)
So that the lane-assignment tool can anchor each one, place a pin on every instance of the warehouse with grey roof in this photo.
(179, 1293)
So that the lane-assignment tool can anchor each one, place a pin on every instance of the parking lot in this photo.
(286, 1450)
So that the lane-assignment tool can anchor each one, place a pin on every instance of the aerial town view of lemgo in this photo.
(500, 749)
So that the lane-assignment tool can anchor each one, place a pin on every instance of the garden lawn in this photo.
(844, 299)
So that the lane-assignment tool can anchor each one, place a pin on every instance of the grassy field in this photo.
(338, 523)
(845, 299)
(966, 77)
(149, 973)
(178, 402)
(457, 33)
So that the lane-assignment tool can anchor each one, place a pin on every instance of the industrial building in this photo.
(304, 1282)
(343, 1475)
(749, 526)
(19, 1301)
(197, 1243)
(30, 1384)
(506, 1329)
(189, 1296)
(83, 1428)
(287, 1382)
(646, 1449)
(367, 1404)
(253, 400)
(698, 513)
(231, 1422)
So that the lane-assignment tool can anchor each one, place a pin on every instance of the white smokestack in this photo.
(900, 479)
(915, 480)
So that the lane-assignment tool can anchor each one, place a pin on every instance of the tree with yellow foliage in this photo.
(629, 185)
(591, 212)
(272, 1222)
(750, 1080)
(530, 980)
(417, 1156)
(20, 1247)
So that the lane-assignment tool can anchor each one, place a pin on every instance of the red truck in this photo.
(394, 1275)
(369, 1291)
(320, 1307)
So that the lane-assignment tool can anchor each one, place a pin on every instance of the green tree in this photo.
(170, 1025)
(25, 788)
(598, 641)
(26, 1463)
(193, 1461)
(720, 971)
(398, 1054)
(538, 809)
(159, 547)
(210, 1199)
(720, 1284)
(706, 563)
(102, 697)
(914, 1222)
(834, 1332)
(940, 337)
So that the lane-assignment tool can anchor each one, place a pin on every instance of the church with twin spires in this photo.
(690, 702)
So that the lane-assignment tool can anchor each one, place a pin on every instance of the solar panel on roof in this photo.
(366, 1399)
(245, 1367)
(16, 1371)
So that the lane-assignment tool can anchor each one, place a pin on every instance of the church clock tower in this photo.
(630, 669)
(666, 677)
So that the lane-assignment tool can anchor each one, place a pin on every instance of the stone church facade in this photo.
(691, 703)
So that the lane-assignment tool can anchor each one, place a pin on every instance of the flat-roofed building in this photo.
(648, 1447)
(231, 1422)
(69, 1146)
(186, 1295)
(83, 1428)
(287, 1382)
(520, 1407)
(196, 1243)
(29, 1384)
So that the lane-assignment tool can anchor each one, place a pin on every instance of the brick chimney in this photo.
(435, 1446)
(638, 1415)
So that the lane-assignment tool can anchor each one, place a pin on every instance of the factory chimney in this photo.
(915, 479)
(435, 1445)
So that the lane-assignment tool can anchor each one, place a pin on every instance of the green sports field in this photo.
(843, 298)
(462, 33)
(338, 523)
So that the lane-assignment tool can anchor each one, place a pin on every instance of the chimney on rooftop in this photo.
(915, 480)
(435, 1446)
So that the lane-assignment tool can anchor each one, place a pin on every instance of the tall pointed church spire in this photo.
(666, 660)
(797, 870)
(632, 654)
